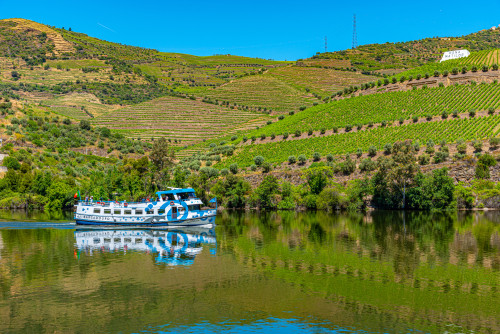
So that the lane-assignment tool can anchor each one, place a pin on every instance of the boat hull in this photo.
(200, 221)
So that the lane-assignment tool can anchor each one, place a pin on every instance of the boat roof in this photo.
(176, 191)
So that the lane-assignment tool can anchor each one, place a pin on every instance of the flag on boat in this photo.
(77, 194)
(213, 200)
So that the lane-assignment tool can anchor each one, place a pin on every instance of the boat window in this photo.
(127, 212)
(117, 240)
(138, 212)
(149, 212)
(138, 241)
(118, 212)
(161, 211)
(194, 207)
(107, 240)
(107, 211)
(127, 240)
(97, 241)
(97, 210)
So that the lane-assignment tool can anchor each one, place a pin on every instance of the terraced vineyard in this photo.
(78, 106)
(181, 119)
(478, 59)
(394, 106)
(318, 79)
(450, 130)
(261, 91)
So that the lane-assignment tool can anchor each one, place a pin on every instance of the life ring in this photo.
(172, 203)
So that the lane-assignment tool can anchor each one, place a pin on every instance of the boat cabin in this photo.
(176, 195)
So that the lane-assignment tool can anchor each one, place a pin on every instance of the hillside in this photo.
(403, 55)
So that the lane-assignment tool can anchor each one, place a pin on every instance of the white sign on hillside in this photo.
(455, 54)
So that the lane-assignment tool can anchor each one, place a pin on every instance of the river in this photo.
(285, 272)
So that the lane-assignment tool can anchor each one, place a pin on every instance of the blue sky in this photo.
(266, 29)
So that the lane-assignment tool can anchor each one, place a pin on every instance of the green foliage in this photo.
(232, 191)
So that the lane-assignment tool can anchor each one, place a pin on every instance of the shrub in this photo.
(335, 129)
(430, 147)
(253, 168)
(280, 117)
(494, 143)
(394, 80)
(323, 131)
(254, 138)
(427, 75)
(85, 124)
(401, 120)
(424, 159)
(485, 68)
(478, 145)
(263, 136)
(491, 111)
(258, 160)
(494, 67)
(310, 132)
(440, 156)
(388, 148)
(348, 128)
(416, 146)
(298, 133)
(472, 112)
(292, 159)
(372, 151)
(367, 165)
(436, 73)
(302, 108)
(302, 159)
(455, 113)
(428, 117)
(444, 114)
(402, 79)
(474, 68)
(445, 73)
(384, 123)
(330, 158)
(462, 148)
(224, 171)
(359, 153)
(285, 135)
(273, 135)
(291, 113)
(415, 119)
(316, 156)
(419, 76)
(233, 168)
(233, 138)
(266, 167)
(269, 122)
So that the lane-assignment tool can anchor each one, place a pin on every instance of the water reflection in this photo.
(178, 247)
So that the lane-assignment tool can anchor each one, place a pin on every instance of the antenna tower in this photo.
(326, 44)
(354, 34)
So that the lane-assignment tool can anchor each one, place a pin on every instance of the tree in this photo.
(232, 191)
(162, 157)
(266, 190)
(85, 124)
(317, 178)
(484, 163)
(258, 160)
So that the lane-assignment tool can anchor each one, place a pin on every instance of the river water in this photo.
(287, 272)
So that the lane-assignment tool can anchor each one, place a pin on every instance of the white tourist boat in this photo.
(175, 207)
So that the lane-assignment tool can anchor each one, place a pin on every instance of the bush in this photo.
(494, 143)
(253, 168)
(372, 151)
(485, 68)
(285, 135)
(233, 138)
(424, 159)
(280, 117)
(224, 171)
(388, 148)
(258, 160)
(478, 145)
(491, 111)
(330, 157)
(292, 159)
(455, 70)
(430, 147)
(266, 167)
(474, 68)
(273, 135)
(359, 153)
(335, 129)
(441, 156)
(419, 76)
(323, 131)
(298, 133)
(455, 113)
(464, 69)
(367, 165)
(233, 168)
(472, 112)
(316, 156)
(445, 73)
(416, 146)
(310, 132)
(348, 128)
(462, 148)
(494, 67)
(291, 113)
(302, 159)
(263, 136)
(415, 119)
(436, 73)
(444, 114)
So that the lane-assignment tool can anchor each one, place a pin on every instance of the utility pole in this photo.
(354, 34)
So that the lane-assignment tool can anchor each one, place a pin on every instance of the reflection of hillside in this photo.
(389, 262)
(172, 247)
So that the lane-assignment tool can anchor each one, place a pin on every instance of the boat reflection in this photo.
(172, 247)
